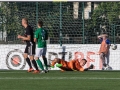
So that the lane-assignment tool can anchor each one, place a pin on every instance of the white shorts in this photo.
(40, 52)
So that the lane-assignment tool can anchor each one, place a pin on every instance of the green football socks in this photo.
(40, 64)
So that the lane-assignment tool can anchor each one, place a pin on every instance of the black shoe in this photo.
(46, 71)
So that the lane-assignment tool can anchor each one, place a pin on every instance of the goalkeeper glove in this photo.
(90, 67)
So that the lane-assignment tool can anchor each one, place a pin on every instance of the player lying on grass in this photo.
(73, 65)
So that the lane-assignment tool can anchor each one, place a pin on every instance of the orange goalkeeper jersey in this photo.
(104, 48)
(72, 65)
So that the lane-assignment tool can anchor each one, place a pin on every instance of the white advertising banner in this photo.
(11, 55)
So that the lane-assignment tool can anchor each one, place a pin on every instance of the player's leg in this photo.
(27, 59)
(107, 57)
(34, 64)
(102, 57)
(31, 55)
(39, 52)
(44, 58)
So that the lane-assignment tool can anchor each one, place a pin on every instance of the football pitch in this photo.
(57, 80)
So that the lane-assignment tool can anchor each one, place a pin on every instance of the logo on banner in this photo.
(89, 55)
(15, 60)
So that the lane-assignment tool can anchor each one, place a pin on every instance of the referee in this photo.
(30, 45)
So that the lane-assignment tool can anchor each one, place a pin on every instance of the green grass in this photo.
(57, 80)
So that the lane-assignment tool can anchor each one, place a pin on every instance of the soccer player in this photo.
(104, 49)
(30, 45)
(40, 37)
(73, 65)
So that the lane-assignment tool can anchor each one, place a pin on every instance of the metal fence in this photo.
(66, 22)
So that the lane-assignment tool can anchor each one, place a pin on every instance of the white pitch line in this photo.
(12, 72)
(57, 78)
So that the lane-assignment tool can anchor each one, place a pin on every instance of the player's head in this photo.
(83, 62)
(24, 21)
(104, 35)
(40, 23)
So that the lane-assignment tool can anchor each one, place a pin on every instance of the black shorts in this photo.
(30, 49)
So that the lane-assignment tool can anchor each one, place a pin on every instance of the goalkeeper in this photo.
(73, 65)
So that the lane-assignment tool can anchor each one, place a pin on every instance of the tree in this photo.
(10, 19)
(106, 14)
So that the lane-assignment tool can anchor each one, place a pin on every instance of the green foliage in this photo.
(10, 21)
(106, 14)
(109, 11)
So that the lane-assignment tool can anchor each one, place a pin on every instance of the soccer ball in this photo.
(108, 68)
(114, 47)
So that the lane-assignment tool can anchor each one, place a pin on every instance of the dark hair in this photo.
(26, 20)
(84, 60)
(40, 23)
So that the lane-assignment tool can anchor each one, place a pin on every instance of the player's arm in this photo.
(90, 67)
(99, 37)
(24, 38)
(35, 40)
(35, 36)
(28, 37)
(80, 68)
